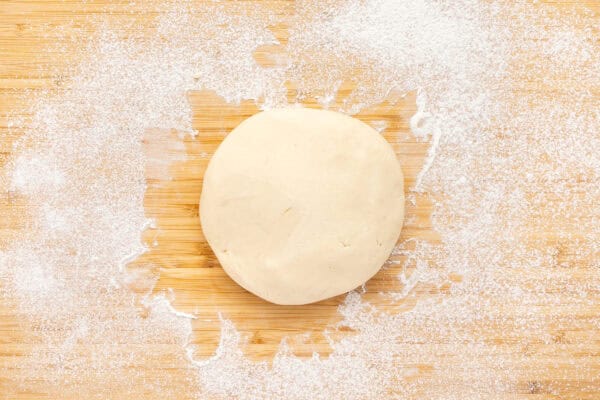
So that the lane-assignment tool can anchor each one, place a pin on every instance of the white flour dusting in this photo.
(507, 96)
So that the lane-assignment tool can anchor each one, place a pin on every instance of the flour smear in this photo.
(507, 98)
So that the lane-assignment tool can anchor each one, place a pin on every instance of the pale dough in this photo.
(300, 205)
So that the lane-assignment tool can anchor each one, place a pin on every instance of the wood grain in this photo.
(186, 263)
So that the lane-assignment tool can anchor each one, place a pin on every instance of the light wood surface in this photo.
(187, 264)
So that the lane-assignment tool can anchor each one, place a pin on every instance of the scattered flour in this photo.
(507, 95)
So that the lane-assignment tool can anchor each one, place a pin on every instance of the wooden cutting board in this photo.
(178, 248)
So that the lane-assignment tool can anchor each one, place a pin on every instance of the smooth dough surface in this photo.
(300, 205)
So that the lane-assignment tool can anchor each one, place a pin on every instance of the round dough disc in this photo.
(300, 205)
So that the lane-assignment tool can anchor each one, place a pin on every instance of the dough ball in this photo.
(300, 205)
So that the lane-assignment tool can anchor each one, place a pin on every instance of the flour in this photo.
(507, 99)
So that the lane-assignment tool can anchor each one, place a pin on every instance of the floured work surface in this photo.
(110, 113)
